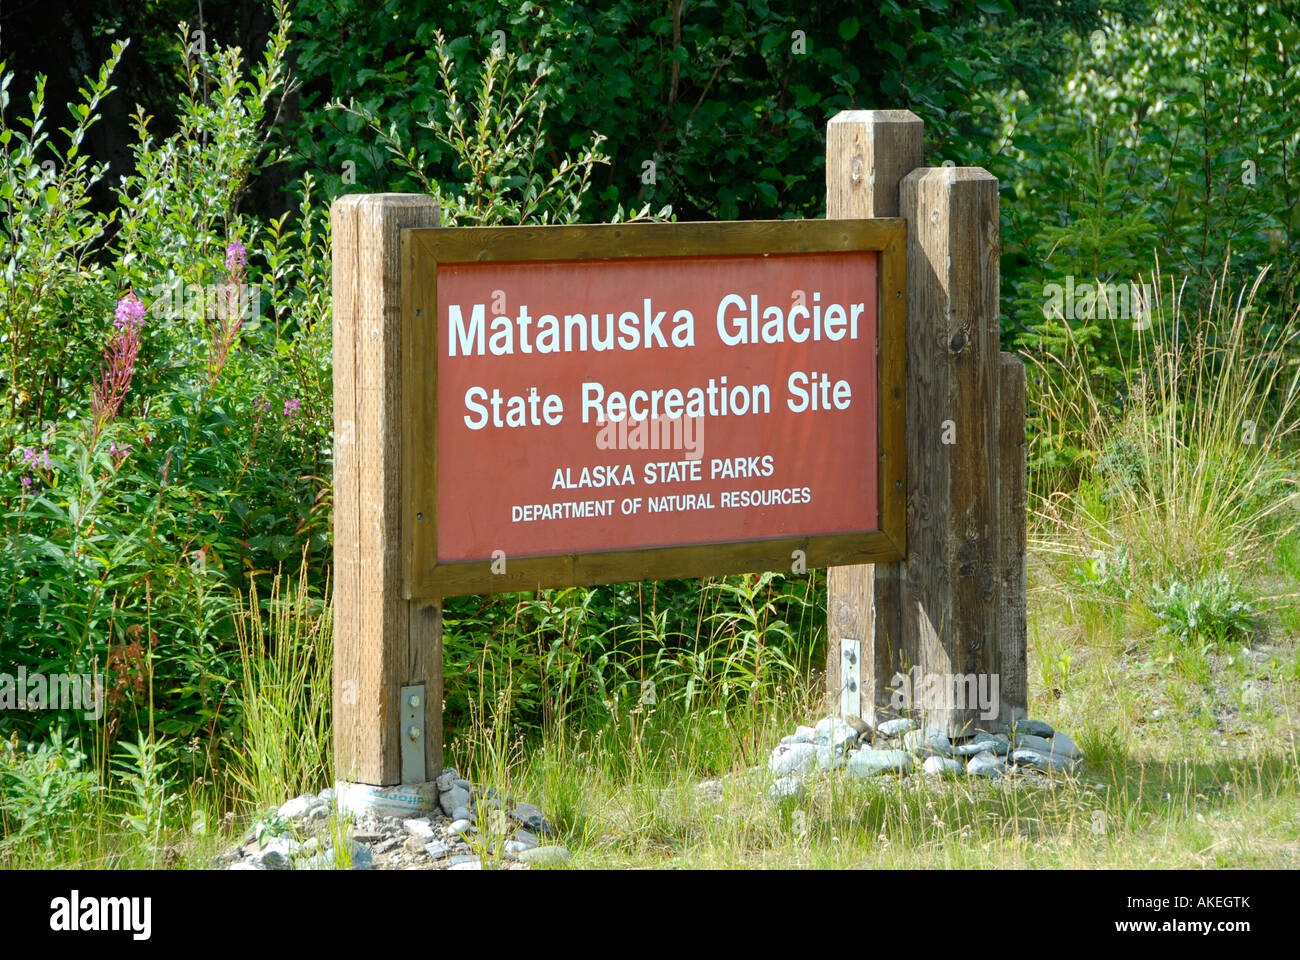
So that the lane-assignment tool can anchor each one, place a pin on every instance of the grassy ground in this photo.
(1178, 773)
(1191, 761)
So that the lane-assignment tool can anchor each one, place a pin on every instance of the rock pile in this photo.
(895, 746)
(474, 828)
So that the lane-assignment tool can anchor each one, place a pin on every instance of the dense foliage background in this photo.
(1125, 136)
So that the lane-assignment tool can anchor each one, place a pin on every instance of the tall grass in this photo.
(1189, 475)
(286, 653)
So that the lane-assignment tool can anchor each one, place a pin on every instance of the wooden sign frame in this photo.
(425, 249)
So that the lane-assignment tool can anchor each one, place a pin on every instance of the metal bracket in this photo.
(850, 677)
(413, 733)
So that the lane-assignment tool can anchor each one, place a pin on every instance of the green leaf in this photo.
(849, 28)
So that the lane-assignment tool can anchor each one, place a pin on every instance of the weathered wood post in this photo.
(1012, 497)
(951, 594)
(951, 618)
(868, 152)
(387, 650)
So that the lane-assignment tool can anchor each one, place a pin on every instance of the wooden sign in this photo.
(587, 404)
(486, 467)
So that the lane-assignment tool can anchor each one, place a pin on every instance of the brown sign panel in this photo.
(588, 404)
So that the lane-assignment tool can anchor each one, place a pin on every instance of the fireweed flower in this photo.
(291, 409)
(236, 255)
(119, 453)
(262, 405)
(27, 484)
(130, 312)
(31, 458)
(118, 364)
(221, 336)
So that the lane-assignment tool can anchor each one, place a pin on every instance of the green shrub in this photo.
(161, 437)
(503, 173)
(1126, 164)
(145, 787)
(728, 100)
(43, 788)
(1208, 611)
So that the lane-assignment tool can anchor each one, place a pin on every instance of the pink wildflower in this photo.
(119, 453)
(236, 255)
(129, 312)
(118, 365)
(222, 335)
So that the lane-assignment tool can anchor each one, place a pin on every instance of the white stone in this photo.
(986, 765)
(546, 856)
(829, 758)
(870, 763)
(1029, 757)
(419, 827)
(447, 778)
(283, 846)
(941, 766)
(785, 788)
(792, 759)
(453, 798)
(892, 728)
(834, 732)
(295, 808)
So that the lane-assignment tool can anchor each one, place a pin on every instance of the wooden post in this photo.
(1014, 692)
(868, 153)
(956, 607)
(952, 590)
(382, 642)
